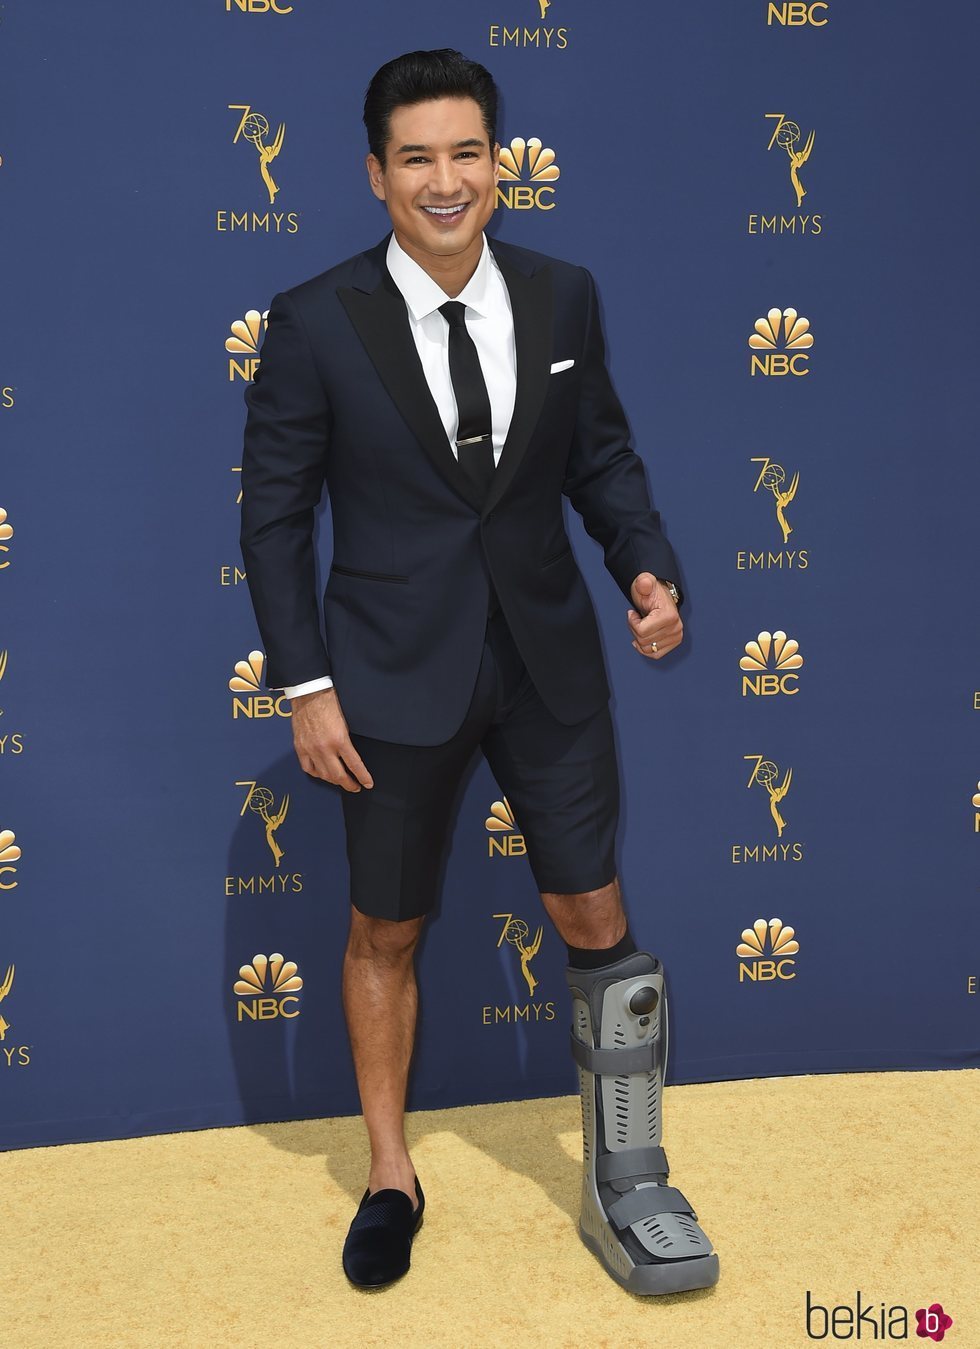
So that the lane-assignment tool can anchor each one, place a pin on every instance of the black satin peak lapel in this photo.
(382, 322)
(531, 302)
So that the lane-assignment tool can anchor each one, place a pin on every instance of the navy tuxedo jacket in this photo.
(340, 396)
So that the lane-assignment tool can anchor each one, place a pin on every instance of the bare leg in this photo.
(380, 1003)
(593, 919)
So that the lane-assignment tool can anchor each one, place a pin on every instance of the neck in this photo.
(451, 272)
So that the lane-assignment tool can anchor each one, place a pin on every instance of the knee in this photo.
(588, 918)
(606, 896)
(383, 939)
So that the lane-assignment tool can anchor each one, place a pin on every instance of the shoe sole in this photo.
(675, 1276)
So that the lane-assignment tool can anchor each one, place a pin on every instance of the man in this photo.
(449, 389)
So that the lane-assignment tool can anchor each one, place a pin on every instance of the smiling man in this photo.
(450, 389)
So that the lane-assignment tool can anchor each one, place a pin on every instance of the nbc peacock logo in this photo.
(527, 171)
(258, 7)
(9, 855)
(783, 338)
(267, 987)
(797, 13)
(770, 665)
(246, 337)
(250, 703)
(976, 810)
(764, 952)
(504, 839)
(6, 533)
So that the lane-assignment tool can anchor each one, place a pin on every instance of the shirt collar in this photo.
(423, 295)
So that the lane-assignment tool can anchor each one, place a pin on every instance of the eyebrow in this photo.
(412, 149)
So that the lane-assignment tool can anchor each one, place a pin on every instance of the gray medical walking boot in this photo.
(642, 1229)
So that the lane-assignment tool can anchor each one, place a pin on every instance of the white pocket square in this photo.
(561, 365)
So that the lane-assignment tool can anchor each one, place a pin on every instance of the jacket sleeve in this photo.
(283, 471)
(605, 480)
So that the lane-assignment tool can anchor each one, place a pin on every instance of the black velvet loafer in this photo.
(378, 1248)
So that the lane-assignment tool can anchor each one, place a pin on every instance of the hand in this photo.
(322, 741)
(657, 620)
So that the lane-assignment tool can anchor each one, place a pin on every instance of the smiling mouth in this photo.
(446, 212)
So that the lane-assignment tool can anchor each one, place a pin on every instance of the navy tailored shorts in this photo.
(562, 783)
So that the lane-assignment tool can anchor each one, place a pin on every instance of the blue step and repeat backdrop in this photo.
(779, 205)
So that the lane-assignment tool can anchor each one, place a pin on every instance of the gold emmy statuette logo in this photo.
(527, 167)
(11, 742)
(765, 774)
(519, 35)
(276, 978)
(261, 800)
(516, 931)
(9, 854)
(254, 127)
(6, 532)
(788, 135)
(246, 335)
(771, 659)
(781, 331)
(797, 13)
(238, 499)
(753, 947)
(773, 478)
(976, 807)
(505, 839)
(5, 987)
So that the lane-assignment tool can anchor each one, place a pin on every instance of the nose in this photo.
(446, 177)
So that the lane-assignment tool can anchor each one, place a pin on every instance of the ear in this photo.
(375, 175)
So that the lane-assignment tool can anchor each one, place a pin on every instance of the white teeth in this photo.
(444, 210)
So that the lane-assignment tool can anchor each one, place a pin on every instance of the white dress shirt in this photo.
(490, 323)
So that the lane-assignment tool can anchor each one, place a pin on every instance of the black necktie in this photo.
(474, 441)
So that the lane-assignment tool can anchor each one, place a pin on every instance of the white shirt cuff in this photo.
(309, 686)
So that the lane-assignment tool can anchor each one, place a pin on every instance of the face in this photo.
(440, 180)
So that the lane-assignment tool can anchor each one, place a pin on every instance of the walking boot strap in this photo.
(614, 1062)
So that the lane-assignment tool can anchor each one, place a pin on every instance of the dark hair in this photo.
(416, 77)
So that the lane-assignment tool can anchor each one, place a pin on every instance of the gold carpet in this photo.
(232, 1237)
